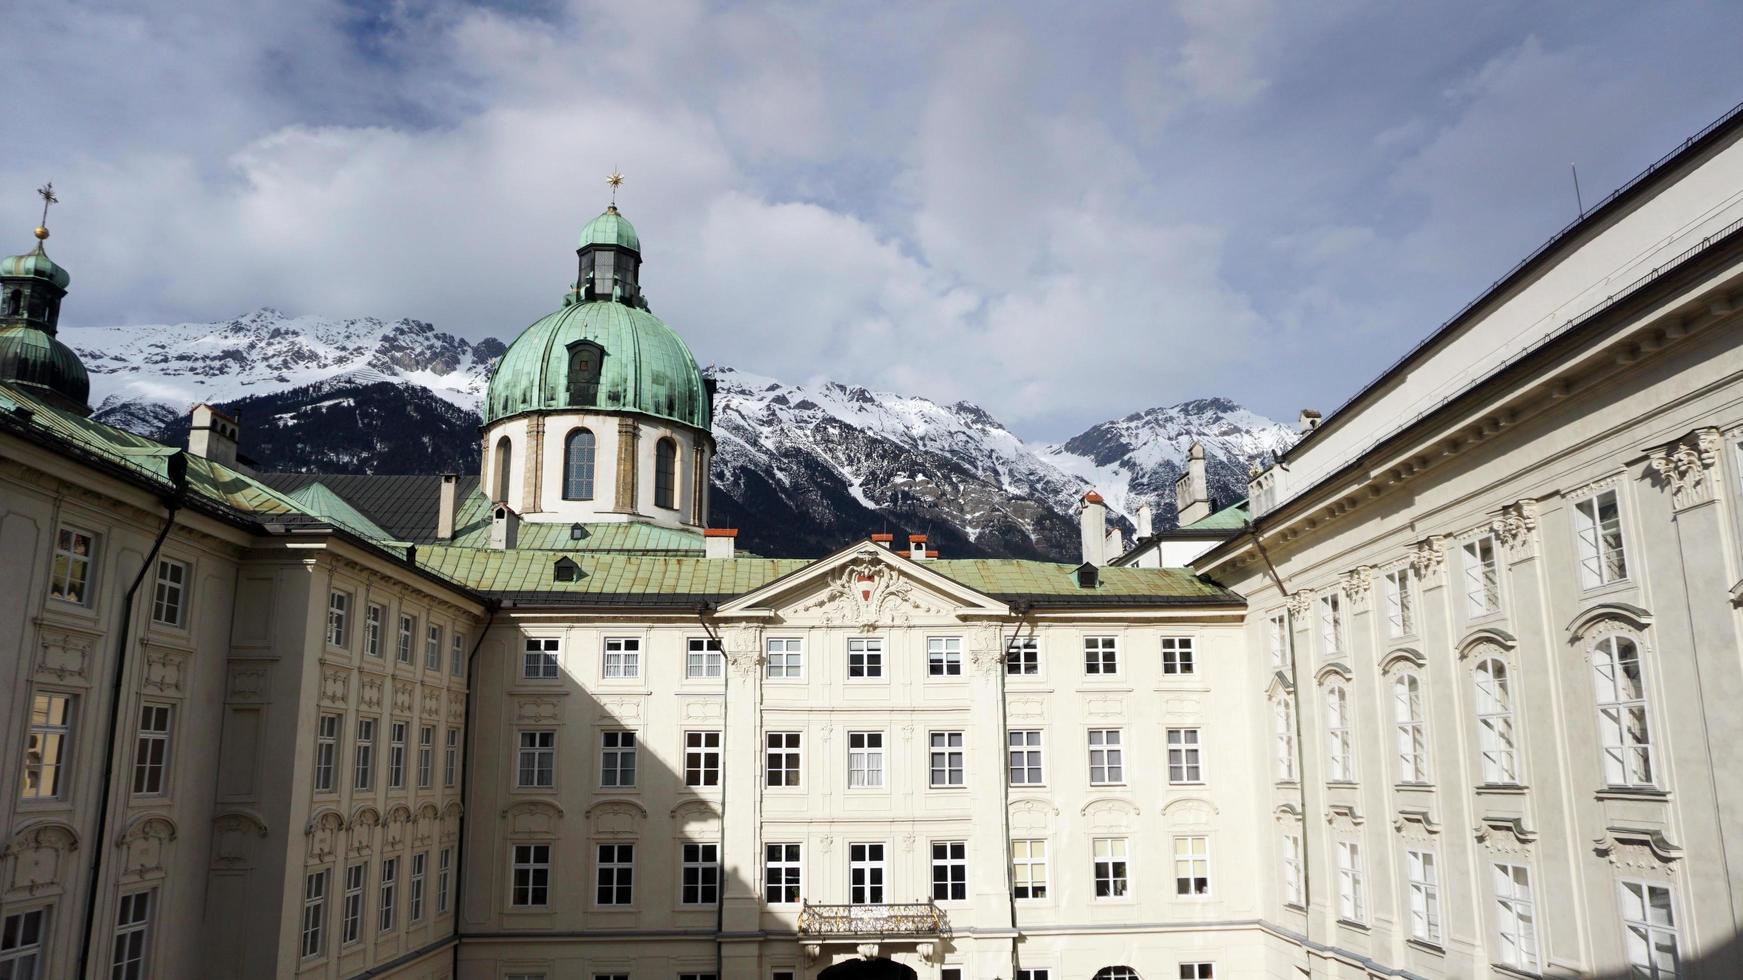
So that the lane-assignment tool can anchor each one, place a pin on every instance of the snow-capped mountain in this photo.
(800, 468)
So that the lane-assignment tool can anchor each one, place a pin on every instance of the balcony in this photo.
(870, 926)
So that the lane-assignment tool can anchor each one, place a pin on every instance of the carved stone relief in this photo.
(867, 592)
(64, 656)
(164, 668)
(1516, 529)
(143, 844)
(38, 855)
(335, 686)
(1686, 467)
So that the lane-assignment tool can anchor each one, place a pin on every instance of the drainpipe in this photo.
(466, 784)
(1020, 611)
(702, 611)
(177, 467)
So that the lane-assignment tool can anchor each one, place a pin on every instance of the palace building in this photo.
(1447, 696)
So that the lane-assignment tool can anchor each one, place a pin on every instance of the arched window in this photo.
(578, 465)
(504, 456)
(1495, 721)
(585, 360)
(1410, 727)
(1116, 973)
(1283, 723)
(1623, 736)
(665, 473)
(1340, 740)
(14, 302)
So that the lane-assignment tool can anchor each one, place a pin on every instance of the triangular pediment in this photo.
(863, 585)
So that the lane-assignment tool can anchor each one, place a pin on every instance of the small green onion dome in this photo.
(36, 264)
(29, 357)
(611, 228)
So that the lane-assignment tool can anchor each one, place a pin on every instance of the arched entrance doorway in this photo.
(868, 970)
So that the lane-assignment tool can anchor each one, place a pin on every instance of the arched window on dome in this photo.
(665, 473)
(586, 359)
(578, 465)
(14, 302)
(504, 457)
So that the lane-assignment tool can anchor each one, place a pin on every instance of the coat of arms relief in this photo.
(868, 593)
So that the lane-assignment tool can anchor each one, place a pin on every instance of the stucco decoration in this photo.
(432, 704)
(369, 696)
(1428, 560)
(1685, 467)
(1300, 603)
(1191, 812)
(399, 818)
(744, 651)
(986, 651)
(64, 656)
(456, 705)
(702, 709)
(323, 833)
(536, 711)
(424, 823)
(866, 592)
(1105, 707)
(143, 843)
(363, 823)
(1516, 529)
(1358, 585)
(1110, 815)
(335, 686)
(696, 820)
(233, 835)
(536, 818)
(617, 818)
(38, 853)
(1416, 825)
(1603, 619)
(1182, 707)
(1027, 708)
(451, 819)
(1032, 817)
(164, 669)
(1344, 818)
(1505, 835)
(622, 709)
(402, 698)
(248, 682)
(1632, 851)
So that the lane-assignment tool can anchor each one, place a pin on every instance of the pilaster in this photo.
(628, 433)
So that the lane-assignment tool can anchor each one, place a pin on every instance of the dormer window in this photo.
(565, 570)
(586, 359)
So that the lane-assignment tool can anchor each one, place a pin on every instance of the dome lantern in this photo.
(31, 288)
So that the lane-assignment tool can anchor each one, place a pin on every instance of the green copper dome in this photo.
(641, 366)
(29, 357)
(610, 228)
(36, 264)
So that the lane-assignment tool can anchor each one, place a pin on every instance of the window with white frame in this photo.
(1277, 635)
(865, 657)
(21, 953)
(614, 879)
(1197, 971)
(130, 955)
(1177, 655)
(949, 871)
(314, 914)
(1108, 857)
(1025, 758)
(69, 579)
(1340, 739)
(1515, 917)
(1422, 876)
(48, 746)
(433, 645)
(457, 654)
(1184, 761)
(1116, 973)
(450, 756)
(1101, 655)
(1331, 625)
(1283, 735)
(1191, 866)
(703, 659)
(363, 755)
(1292, 869)
(701, 758)
(1107, 758)
(1495, 741)
(1598, 536)
(623, 657)
(1352, 888)
(1023, 657)
(537, 759)
(531, 887)
(338, 618)
(444, 868)
(1409, 728)
(408, 635)
(865, 760)
(699, 881)
(169, 598)
(865, 874)
(372, 617)
(782, 873)
(617, 759)
(946, 759)
(1649, 929)
(351, 920)
(327, 753)
(396, 755)
(1624, 737)
(426, 756)
(1028, 869)
(785, 658)
(415, 899)
(1482, 578)
(781, 758)
(387, 892)
(944, 656)
(1032, 973)
(151, 750)
(1400, 603)
(539, 661)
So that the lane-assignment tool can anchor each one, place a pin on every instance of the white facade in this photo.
(631, 477)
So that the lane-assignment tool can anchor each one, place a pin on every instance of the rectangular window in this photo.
(48, 747)
(352, 926)
(1423, 879)
(623, 657)
(1023, 657)
(1109, 855)
(537, 760)
(169, 599)
(415, 901)
(1183, 756)
(865, 874)
(700, 882)
(865, 657)
(339, 619)
(1101, 655)
(539, 663)
(1029, 869)
(132, 936)
(1409, 729)
(1598, 534)
(1107, 765)
(1197, 971)
(1515, 917)
(865, 760)
(1649, 930)
(947, 759)
(388, 894)
(1032, 974)
(703, 660)
(617, 759)
(1191, 865)
(1024, 758)
(426, 756)
(372, 618)
(950, 871)
(433, 645)
(21, 956)
(70, 579)
(781, 764)
(1340, 739)
(786, 659)
(616, 874)
(782, 870)
(1283, 735)
(1292, 871)
(408, 635)
(1177, 655)
(364, 755)
(944, 656)
(1277, 632)
(1352, 891)
(457, 655)
(450, 757)
(1482, 578)
(1331, 625)
(531, 886)
(1400, 604)
(396, 736)
(444, 866)
(151, 750)
(701, 758)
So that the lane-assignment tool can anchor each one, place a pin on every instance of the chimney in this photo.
(917, 547)
(213, 435)
(504, 527)
(1192, 489)
(445, 507)
(932, 555)
(719, 542)
(1093, 515)
(1146, 521)
(883, 541)
(1115, 543)
(1307, 421)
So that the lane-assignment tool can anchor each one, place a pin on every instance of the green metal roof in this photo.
(611, 228)
(30, 356)
(1230, 518)
(319, 501)
(646, 367)
(472, 530)
(36, 264)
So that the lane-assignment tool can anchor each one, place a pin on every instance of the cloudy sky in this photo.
(1064, 212)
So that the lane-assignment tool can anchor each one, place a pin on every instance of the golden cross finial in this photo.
(615, 179)
(46, 192)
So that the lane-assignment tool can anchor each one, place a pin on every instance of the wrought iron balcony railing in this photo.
(872, 921)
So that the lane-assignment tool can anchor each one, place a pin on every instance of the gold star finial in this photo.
(46, 192)
(615, 179)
